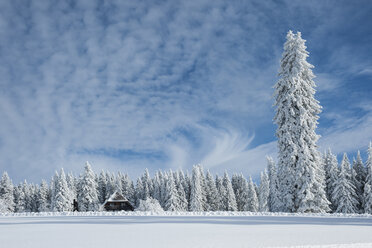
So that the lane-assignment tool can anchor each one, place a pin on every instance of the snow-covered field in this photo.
(184, 230)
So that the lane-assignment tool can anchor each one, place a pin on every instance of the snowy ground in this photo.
(179, 230)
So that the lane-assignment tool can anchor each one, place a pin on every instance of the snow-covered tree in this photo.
(344, 194)
(149, 205)
(147, 184)
(127, 188)
(43, 197)
(158, 186)
(6, 192)
(3, 206)
(139, 191)
(221, 191)
(102, 184)
(19, 199)
(185, 180)
(173, 201)
(264, 192)
(301, 183)
(111, 185)
(34, 204)
(252, 203)
(240, 187)
(367, 194)
(27, 197)
(230, 200)
(359, 178)
(274, 200)
(196, 195)
(182, 200)
(203, 188)
(87, 193)
(213, 198)
(62, 200)
(72, 186)
(331, 172)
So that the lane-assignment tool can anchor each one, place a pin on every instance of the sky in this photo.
(127, 85)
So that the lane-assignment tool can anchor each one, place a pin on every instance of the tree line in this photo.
(348, 189)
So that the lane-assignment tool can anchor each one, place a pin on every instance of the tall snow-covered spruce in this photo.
(300, 175)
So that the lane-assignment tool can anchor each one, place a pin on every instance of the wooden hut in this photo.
(117, 202)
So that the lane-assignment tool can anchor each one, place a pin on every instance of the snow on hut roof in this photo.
(116, 197)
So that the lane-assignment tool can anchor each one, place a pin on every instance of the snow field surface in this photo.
(145, 229)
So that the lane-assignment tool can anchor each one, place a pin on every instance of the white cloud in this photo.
(129, 75)
(349, 135)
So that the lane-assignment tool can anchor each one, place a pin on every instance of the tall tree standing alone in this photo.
(301, 179)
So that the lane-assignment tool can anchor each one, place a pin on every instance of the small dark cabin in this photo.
(117, 202)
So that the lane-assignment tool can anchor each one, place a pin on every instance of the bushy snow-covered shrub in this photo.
(150, 204)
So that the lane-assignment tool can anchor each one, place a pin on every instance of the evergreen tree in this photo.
(196, 195)
(111, 185)
(72, 188)
(240, 190)
(252, 204)
(222, 192)
(126, 187)
(274, 200)
(367, 194)
(213, 198)
(27, 197)
(359, 178)
(53, 186)
(34, 204)
(230, 200)
(61, 201)
(264, 192)
(357, 186)
(203, 188)
(102, 184)
(87, 193)
(6, 192)
(344, 194)
(147, 185)
(331, 171)
(185, 179)
(172, 202)
(182, 201)
(300, 172)
(43, 198)
(19, 199)
(139, 191)
(132, 192)
(157, 184)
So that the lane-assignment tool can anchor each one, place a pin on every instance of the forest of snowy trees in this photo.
(348, 189)
(303, 180)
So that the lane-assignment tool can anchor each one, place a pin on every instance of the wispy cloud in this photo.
(129, 85)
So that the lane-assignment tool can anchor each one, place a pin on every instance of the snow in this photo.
(183, 229)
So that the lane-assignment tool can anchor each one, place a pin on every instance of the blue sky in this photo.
(167, 84)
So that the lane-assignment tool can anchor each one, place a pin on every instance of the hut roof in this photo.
(116, 197)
